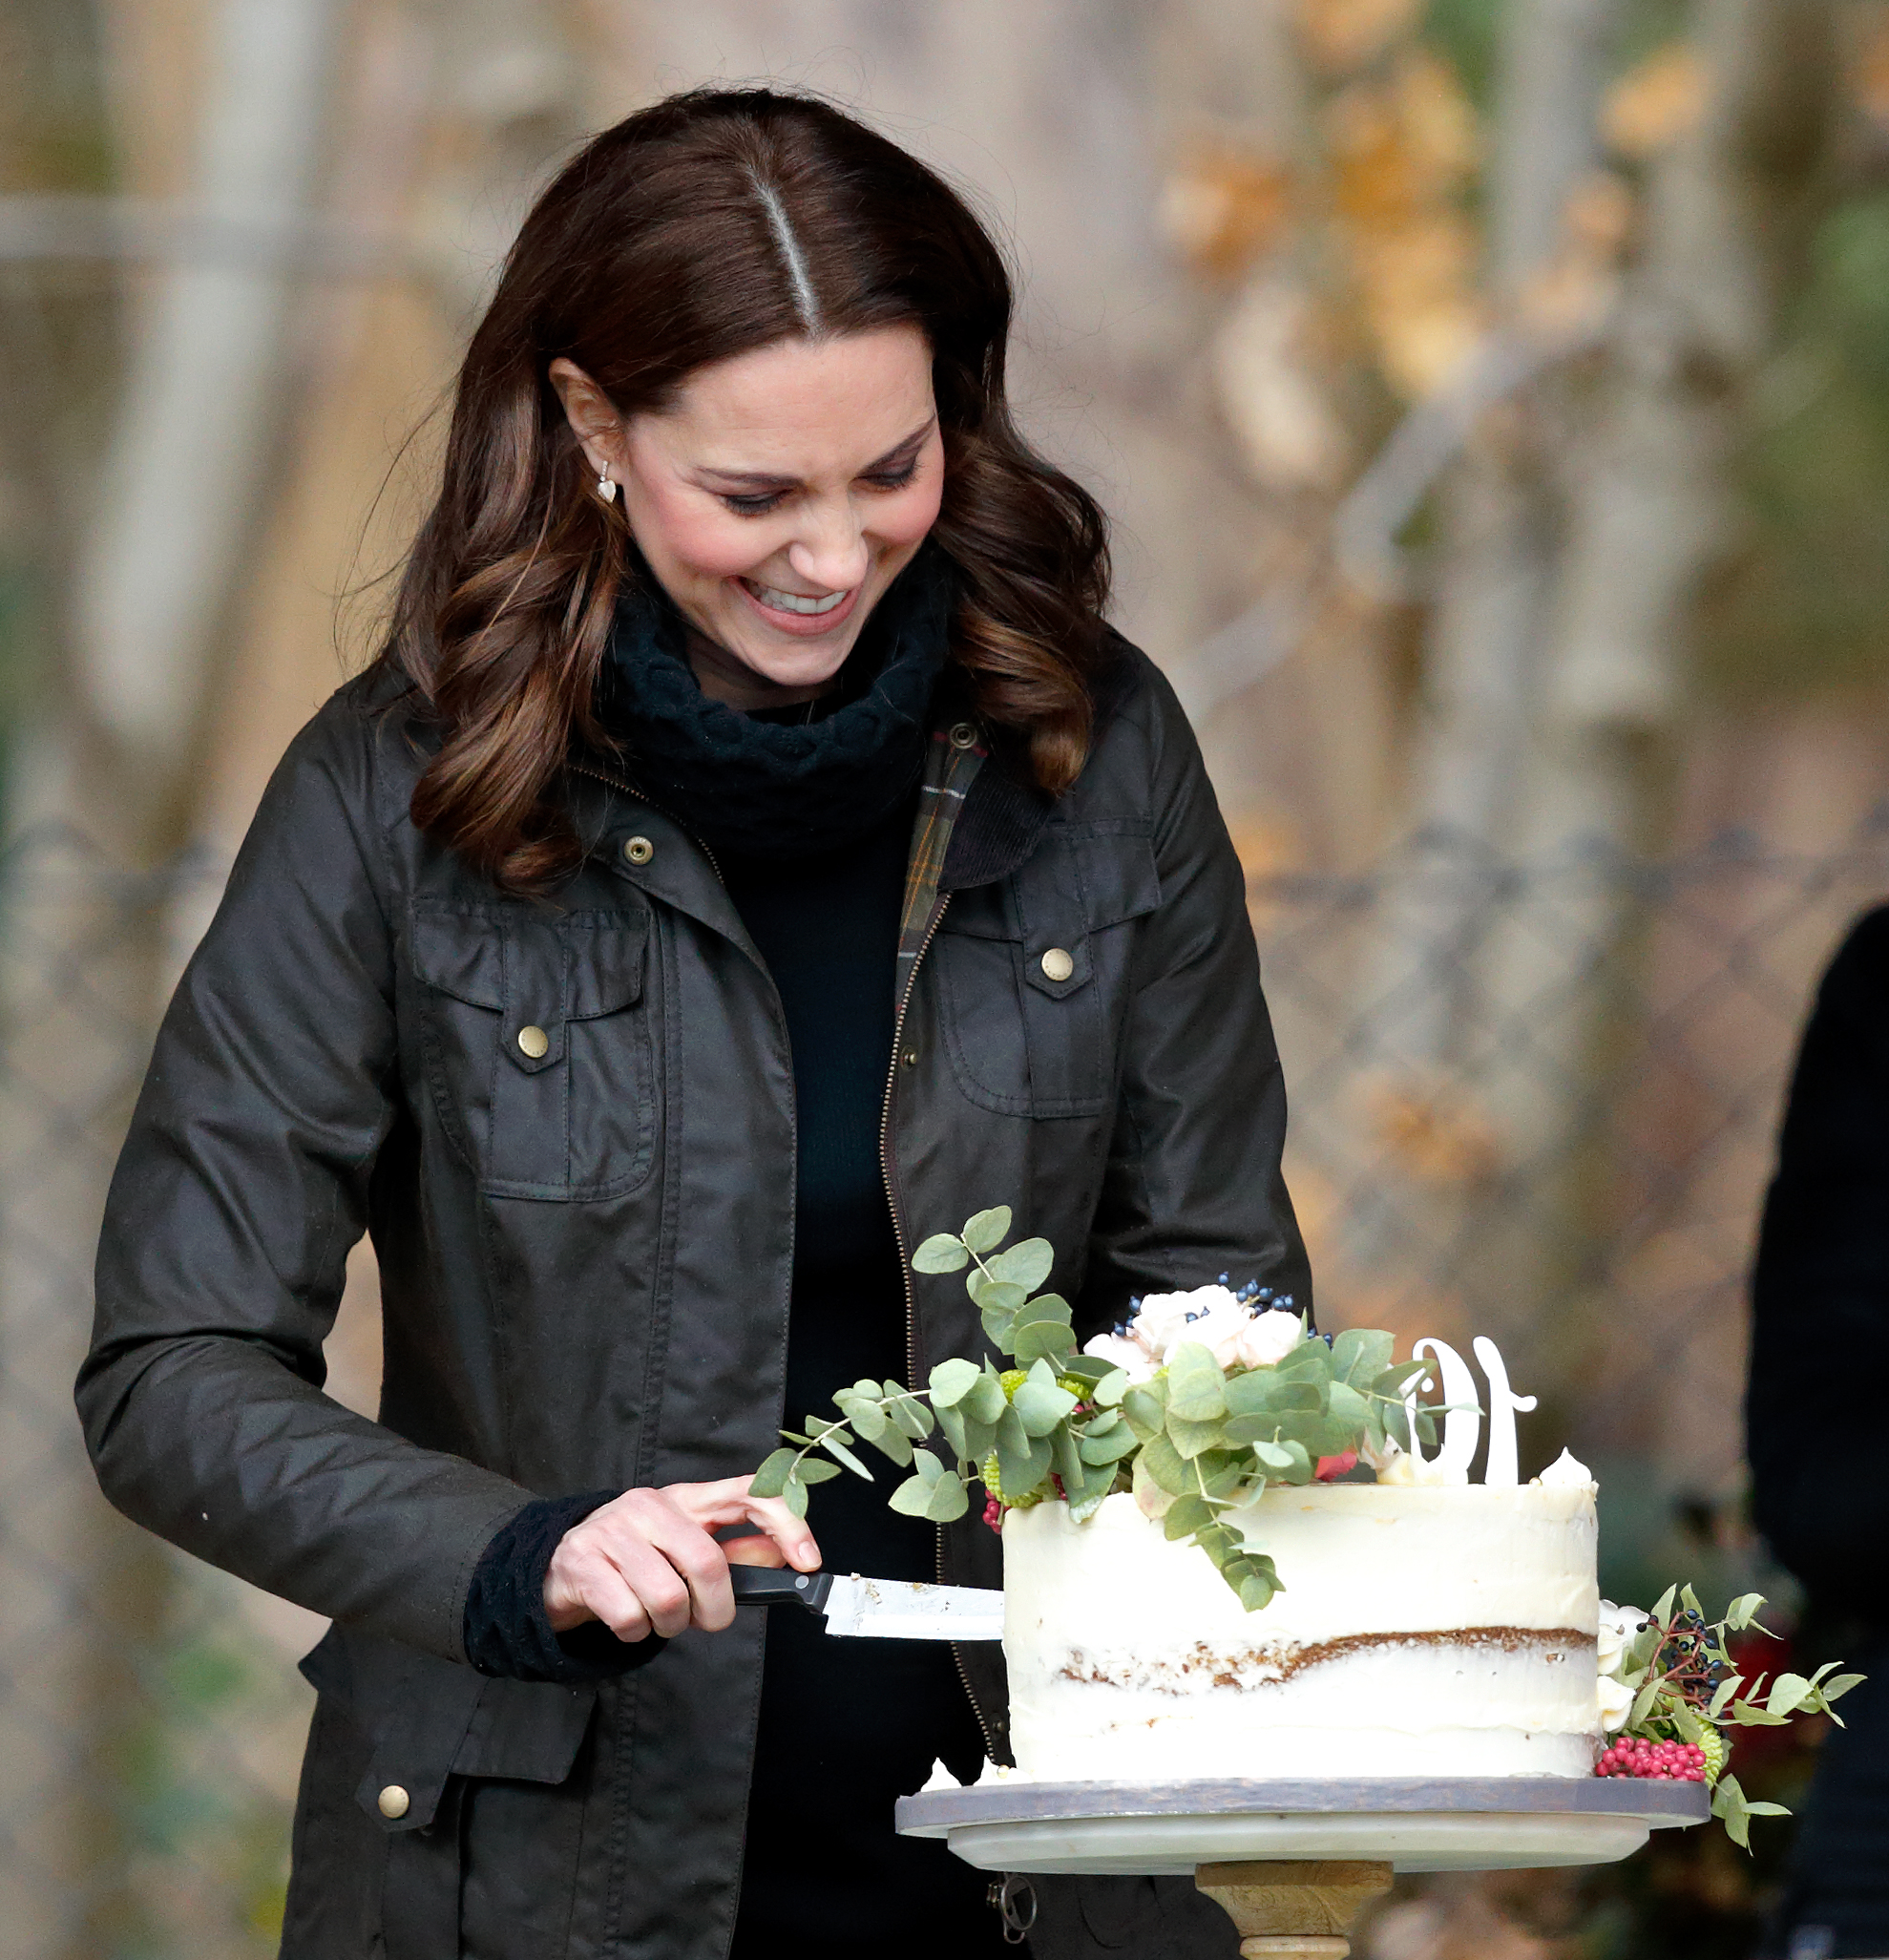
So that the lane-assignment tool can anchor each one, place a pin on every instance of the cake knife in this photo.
(878, 1608)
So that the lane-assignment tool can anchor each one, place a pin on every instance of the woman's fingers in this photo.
(645, 1561)
(727, 1502)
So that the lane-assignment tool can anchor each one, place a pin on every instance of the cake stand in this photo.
(1293, 1861)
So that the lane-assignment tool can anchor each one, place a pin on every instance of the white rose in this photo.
(1269, 1336)
(1128, 1355)
(1618, 1626)
(1616, 1704)
(1162, 1323)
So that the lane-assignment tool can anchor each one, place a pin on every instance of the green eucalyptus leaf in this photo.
(1152, 1499)
(1274, 1456)
(813, 1471)
(1046, 1306)
(1188, 1514)
(1393, 1381)
(894, 1443)
(1111, 1447)
(1146, 1406)
(1035, 1340)
(984, 1402)
(948, 1501)
(1089, 1502)
(1103, 1422)
(1041, 1405)
(1165, 1465)
(953, 1380)
(1194, 1439)
(912, 1498)
(1361, 1353)
(942, 1253)
(770, 1479)
(1111, 1388)
(836, 1449)
(1025, 1264)
(1397, 1425)
(1090, 1368)
(1196, 1389)
(993, 1296)
(1348, 1406)
(868, 1417)
(986, 1230)
(913, 1416)
(1022, 1459)
(951, 1426)
(793, 1494)
(1257, 1589)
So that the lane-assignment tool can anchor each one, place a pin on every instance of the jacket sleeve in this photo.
(240, 1189)
(1820, 1289)
(1193, 1187)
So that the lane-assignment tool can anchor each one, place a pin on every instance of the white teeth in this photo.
(792, 601)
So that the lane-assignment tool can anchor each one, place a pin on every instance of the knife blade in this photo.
(858, 1608)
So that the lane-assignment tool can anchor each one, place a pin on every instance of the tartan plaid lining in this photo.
(949, 772)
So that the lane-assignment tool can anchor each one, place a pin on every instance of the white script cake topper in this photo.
(1462, 1426)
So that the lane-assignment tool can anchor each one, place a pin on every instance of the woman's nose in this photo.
(831, 552)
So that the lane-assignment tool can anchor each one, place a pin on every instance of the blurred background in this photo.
(1492, 400)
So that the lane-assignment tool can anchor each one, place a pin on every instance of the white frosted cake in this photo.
(1434, 1630)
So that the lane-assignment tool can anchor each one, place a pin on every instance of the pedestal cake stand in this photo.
(1294, 1862)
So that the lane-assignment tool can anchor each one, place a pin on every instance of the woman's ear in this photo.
(594, 421)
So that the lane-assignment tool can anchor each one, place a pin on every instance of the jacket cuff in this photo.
(507, 1631)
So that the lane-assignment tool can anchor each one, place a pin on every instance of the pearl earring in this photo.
(605, 488)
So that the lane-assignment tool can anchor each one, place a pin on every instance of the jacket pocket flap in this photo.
(460, 952)
(607, 950)
(428, 1719)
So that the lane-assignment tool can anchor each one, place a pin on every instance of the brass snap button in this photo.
(910, 1058)
(964, 735)
(535, 1043)
(1058, 964)
(394, 1802)
(638, 849)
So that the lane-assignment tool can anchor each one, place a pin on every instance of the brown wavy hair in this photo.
(713, 223)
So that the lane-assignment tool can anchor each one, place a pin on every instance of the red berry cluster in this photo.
(993, 1514)
(1672, 1763)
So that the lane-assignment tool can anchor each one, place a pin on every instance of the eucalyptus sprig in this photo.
(1194, 1443)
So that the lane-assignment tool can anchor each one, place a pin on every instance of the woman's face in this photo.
(776, 498)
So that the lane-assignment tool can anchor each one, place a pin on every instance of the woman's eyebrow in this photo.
(762, 479)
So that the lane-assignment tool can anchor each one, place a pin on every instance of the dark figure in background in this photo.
(1820, 1297)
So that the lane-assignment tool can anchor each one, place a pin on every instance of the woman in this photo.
(750, 853)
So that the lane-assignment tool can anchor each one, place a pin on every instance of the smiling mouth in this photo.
(796, 601)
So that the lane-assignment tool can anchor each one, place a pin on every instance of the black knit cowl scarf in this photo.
(775, 786)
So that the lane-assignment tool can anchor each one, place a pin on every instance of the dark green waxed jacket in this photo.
(585, 1256)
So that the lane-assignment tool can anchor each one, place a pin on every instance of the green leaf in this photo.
(1393, 1381)
(948, 1501)
(1839, 1684)
(1361, 1353)
(1153, 1500)
(986, 1230)
(1146, 1406)
(793, 1493)
(1749, 1714)
(1103, 1422)
(813, 1471)
(1109, 1448)
(868, 1417)
(993, 1296)
(1743, 1611)
(951, 1426)
(1256, 1590)
(1349, 1407)
(1041, 1404)
(1661, 1614)
(1188, 1514)
(1196, 1389)
(912, 1498)
(1642, 1702)
(1788, 1694)
(1035, 1340)
(953, 1380)
(1046, 1306)
(771, 1478)
(1022, 1459)
(1165, 1465)
(913, 1417)
(1726, 1690)
(942, 1253)
(984, 1402)
(894, 1445)
(1193, 1439)
(1689, 1600)
(1025, 1264)
(1090, 1368)
(1111, 1388)
(835, 1447)
(1691, 1729)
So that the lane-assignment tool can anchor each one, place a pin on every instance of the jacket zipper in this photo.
(905, 1262)
(629, 789)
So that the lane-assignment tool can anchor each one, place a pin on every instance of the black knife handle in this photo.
(769, 1583)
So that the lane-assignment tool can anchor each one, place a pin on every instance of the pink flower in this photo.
(1332, 1467)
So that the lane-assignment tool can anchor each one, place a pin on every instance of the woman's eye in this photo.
(753, 506)
(895, 479)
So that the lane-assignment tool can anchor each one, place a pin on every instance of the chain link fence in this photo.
(1530, 1099)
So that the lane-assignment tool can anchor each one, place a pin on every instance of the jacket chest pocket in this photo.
(538, 1047)
(1033, 973)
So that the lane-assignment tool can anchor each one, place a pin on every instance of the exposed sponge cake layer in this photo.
(1423, 1631)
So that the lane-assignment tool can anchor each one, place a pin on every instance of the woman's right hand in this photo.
(645, 1563)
